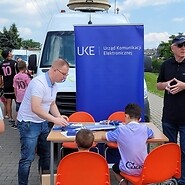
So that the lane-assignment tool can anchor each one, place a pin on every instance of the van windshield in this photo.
(59, 44)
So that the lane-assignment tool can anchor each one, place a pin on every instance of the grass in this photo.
(151, 80)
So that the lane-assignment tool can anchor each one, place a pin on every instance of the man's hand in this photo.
(61, 121)
(175, 86)
(65, 117)
(169, 85)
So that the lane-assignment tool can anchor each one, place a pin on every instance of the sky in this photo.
(161, 18)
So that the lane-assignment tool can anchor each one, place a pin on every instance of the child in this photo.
(2, 126)
(8, 69)
(20, 84)
(131, 139)
(84, 139)
(5, 112)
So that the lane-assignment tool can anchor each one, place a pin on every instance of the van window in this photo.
(59, 44)
(23, 57)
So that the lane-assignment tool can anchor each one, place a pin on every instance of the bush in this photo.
(156, 64)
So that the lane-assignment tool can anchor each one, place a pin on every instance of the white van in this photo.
(24, 54)
(59, 42)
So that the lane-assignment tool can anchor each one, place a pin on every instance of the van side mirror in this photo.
(32, 63)
(147, 64)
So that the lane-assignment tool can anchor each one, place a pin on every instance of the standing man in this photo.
(8, 69)
(172, 79)
(36, 110)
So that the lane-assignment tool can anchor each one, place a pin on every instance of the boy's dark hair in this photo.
(133, 110)
(22, 65)
(84, 138)
(6, 52)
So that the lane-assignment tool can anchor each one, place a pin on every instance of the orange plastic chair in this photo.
(119, 116)
(80, 116)
(161, 164)
(80, 168)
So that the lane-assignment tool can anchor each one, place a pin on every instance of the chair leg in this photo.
(59, 152)
(105, 152)
(62, 152)
(97, 149)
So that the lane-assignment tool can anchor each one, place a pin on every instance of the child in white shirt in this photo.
(131, 138)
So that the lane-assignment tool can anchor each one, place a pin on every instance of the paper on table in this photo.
(76, 124)
(65, 134)
(100, 127)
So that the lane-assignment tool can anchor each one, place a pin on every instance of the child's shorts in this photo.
(9, 96)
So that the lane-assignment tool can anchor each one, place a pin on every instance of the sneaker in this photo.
(6, 117)
(14, 126)
(11, 120)
(170, 182)
(122, 180)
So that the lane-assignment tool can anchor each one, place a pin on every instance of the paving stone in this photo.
(10, 149)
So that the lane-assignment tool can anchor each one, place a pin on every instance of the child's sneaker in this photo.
(11, 121)
(14, 126)
(6, 117)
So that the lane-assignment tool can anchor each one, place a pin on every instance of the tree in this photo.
(27, 44)
(10, 38)
(164, 48)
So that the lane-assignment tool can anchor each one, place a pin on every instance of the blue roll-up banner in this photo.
(109, 68)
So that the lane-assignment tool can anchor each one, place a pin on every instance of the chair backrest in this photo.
(83, 168)
(119, 116)
(162, 163)
(81, 116)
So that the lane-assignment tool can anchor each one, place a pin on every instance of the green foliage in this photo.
(1, 58)
(30, 44)
(11, 38)
(164, 48)
(163, 52)
(156, 64)
(151, 81)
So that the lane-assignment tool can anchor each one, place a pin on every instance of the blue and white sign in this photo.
(109, 68)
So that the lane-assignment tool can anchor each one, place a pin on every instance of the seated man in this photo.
(131, 139)
(84, 139)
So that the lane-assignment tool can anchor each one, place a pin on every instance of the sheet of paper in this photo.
(65, 134)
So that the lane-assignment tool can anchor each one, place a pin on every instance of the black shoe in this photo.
(11, 121)
(170, 182)
(14, 126)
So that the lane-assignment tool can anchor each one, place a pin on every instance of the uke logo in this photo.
(88, 50)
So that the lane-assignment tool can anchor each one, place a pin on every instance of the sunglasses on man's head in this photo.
(180, 45)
